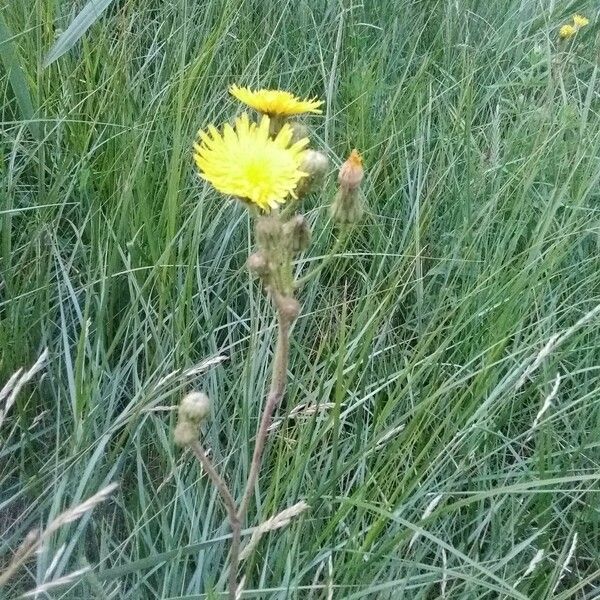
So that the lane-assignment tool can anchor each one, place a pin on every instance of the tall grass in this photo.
(423, 356)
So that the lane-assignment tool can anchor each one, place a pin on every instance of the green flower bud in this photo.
(297, 234)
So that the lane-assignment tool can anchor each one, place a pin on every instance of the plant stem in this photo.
(278, 379)
(232, 513)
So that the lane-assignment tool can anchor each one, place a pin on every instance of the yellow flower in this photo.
(580, 21)
(566, 32)
(275, 103)
(247, 163)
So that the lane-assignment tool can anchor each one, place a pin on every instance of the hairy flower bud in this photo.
(351, 172)
(297, 234)
(186, 433)
(347, 208)
(194, 407)
(316, 165)
(289, 308)
(269, 233)
(258, 264)
(300, 131)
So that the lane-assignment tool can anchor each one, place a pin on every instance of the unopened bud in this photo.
(300, 131)
(297, 234)
(289, 307)
(268, 233)
(186, 433)
(258, 263)
(315, 164)
(194, 407)
(347, 208)
(351, 172)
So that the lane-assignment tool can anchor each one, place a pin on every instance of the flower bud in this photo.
(351, 172)
(347, 208)
(194, 407)
(289, 308)
(300, 131)
(315, 165)
(268, 233)
(186, 433)
(258, 263)
(297, 234)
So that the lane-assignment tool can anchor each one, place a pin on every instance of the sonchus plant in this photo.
(268, 167)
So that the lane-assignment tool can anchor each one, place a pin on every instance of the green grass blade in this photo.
(16, 74)
(88, 15)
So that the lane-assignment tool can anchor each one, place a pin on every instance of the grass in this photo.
(431, 344)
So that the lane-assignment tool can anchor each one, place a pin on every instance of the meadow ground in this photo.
(442, 417)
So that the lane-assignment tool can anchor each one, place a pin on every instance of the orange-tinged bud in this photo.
(351, 172)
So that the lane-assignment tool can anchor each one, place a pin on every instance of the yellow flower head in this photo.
(275, 102)
(566, 32)
(247, 163)
(580, 21)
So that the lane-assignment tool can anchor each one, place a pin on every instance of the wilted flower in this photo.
(275, 102)
(245, 162)
(194, 406)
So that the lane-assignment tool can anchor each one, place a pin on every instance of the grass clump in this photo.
(426, 349)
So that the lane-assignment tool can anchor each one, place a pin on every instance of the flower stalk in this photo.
(265, 165)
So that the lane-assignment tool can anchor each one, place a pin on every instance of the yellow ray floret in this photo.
(275, 102)
(580, 21)
(245, 162)
(567, 31)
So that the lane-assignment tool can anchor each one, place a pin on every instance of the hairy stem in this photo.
(229, 502)
(278, 380)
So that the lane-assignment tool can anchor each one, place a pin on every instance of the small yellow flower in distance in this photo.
(245, 162)
(566, 32)
(580, 21)
(275, 103)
